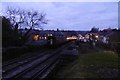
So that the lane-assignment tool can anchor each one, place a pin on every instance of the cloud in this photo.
(0, 9)
(59, 0)
(74, 15)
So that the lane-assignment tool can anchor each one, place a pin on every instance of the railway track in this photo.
(23, 57)
(20, 62)
(33, 67)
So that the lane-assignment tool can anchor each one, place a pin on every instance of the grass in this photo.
(103, 58)
(100, 64)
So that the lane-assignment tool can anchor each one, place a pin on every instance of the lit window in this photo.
(36, 37)
(45, 38)
(49, 34)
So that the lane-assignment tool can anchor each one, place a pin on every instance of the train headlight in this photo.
(67, 38)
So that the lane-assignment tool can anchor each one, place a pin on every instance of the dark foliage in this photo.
(10, 37)
(115, 41)
(94, 30)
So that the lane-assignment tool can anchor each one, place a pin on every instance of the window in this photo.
(36, 37)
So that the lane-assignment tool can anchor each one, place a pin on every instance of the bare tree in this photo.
(35, 19)
(16, 16)
(31, 19)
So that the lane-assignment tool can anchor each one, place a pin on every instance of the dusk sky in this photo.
(73, 15)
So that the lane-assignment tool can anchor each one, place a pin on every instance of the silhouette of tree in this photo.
(16, 16)
(10, 37)
(20, 18)
(34, 20)
(94, 30)
(31, 18)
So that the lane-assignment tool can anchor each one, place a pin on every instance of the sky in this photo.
(72, 15)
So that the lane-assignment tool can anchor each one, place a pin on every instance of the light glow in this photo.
(96, 36)
(71, 38)
(36, 37)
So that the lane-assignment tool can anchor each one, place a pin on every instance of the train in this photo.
(48, 39)
(56, 39)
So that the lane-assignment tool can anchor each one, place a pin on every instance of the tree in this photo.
(9, 36)
(34, 20)
(16, 16)
(28, 19)
(31, 19)
(94, 30)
